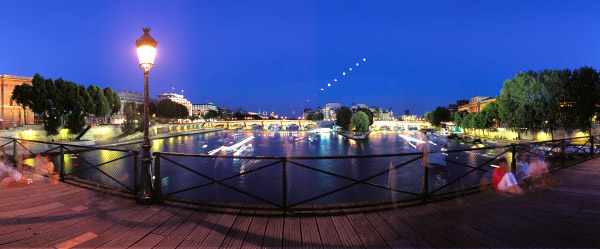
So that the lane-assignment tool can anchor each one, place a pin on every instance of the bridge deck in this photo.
(44, 215)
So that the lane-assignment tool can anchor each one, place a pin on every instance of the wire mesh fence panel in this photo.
(218, 179)
(352, 179)
(104, 166)
(466, 169)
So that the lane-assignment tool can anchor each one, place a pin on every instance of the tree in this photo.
(428, 116)
(360, 122)
(343, 117)
(168, 109)
(22, 95)
(584, 94)
(131, 116)
(318, 116)
(440, 114)
(310, 116)
(487, 117)
(459, 116)
(114, 101)
(101, 107)
(369, 114)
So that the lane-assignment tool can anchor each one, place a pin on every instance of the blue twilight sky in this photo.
(274, 55)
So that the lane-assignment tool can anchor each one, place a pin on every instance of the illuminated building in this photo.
(476, 104)
(202, 109)
(330, 111)
(11, 114)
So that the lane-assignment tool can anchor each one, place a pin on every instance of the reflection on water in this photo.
(291, 143)
(304, 181)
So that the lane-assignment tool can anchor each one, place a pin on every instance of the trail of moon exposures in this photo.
(344, 74)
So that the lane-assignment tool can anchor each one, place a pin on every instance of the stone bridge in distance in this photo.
(308, 125)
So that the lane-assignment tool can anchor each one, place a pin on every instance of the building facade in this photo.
(330, 111)
(177, 98)
(202, 109)
(11, 114)
(476, 104)
(129, 96)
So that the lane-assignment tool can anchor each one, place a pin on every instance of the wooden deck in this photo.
(65, 216)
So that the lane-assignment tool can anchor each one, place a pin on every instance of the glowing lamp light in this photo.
(146, 48)
(350, 69)
(322, 89)
(344, 73)
(328, 84)
(335, 80)
(364, 59)
(357, 64)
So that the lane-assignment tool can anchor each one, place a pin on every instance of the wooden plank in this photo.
(200, 232)
(170, 225)
(391, 236)
(256, 232)
(239, 229)
(292, 233)
(220, 230)
(365, 231)
(327, 232)
(274, 231)
(348, 236)
(310, 233)
(156, 216)
(149, 241)
(474, 234)
(412, 237)
(77, 241)
(178, 235)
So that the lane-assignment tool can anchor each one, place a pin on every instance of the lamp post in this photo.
(146, 48)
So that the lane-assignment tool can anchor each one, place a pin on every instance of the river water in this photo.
(261, 180)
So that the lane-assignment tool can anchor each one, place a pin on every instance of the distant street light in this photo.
(146, 48)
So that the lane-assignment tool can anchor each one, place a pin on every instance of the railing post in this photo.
(136, 172)
(513, 163)
(62, 163)
(425, 183)
(563, 157)
(15, 151)
(157, 179)
(284, 185)
(591, 145)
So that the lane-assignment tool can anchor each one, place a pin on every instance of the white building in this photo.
(330, 111)
(177, 98)
(202, 109)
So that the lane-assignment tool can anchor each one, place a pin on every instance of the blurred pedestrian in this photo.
(504, 180)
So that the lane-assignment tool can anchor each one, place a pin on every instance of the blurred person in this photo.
(504, 180)
(539, 171)
(522, 172)
(48, 165)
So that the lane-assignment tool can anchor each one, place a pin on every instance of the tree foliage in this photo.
(360, 122)
(534, 101)
(168, 109)
(114, 101)
(343, 117)
(61, 102)
(131, 115)
(101, 107)
(315, 116)
(369, 114)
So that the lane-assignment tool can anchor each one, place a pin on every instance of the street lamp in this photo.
(146, 48)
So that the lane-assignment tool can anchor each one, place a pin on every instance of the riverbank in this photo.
(351, 135)
(158, 136)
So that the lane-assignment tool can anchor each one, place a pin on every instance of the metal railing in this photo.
(303, 183)
(292, 184)
(109, 167)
